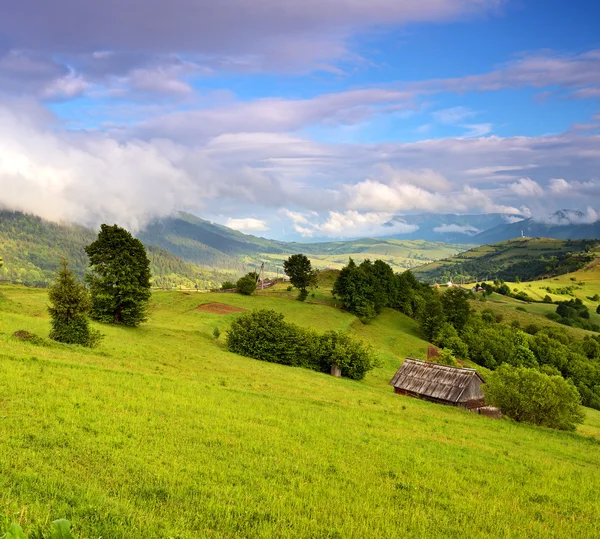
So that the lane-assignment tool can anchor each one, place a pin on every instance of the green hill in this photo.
(161, 432)
(32, 248)
(525, 259)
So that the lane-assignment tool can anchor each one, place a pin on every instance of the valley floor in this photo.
(160, 432)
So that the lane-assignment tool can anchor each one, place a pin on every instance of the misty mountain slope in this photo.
(522, 258)
(564, 224)
(32, 249)
(449, 227)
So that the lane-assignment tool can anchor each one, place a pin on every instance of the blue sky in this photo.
(312, 119)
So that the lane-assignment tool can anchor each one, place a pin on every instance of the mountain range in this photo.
(494, 227)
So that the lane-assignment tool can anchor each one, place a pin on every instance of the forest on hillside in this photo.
(32, 249)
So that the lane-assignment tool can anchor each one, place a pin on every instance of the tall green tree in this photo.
(120, 277)
(456, 307)
(299, 269)
(354, 286)
(433, 318)
(69, 305)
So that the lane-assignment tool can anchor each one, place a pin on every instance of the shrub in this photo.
(522, 309)
(547, 299)
(598, 309)
(227, 285)
(264, 335)
(31, 338)
(246, 285)
(302, 295)
(532, 329)
(446, 357)
(353, 357)
(531, 396)
(216, 333)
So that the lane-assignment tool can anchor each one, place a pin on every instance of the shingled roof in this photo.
(434, 381)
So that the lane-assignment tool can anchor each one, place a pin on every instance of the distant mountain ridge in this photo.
(563, 224)
(495, 227)
(448, 227)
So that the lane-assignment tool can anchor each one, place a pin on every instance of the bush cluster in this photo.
(534, 397)
(246, 285)
(265, 335)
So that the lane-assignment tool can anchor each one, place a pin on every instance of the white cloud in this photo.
(476, 130)
(91, 177)
(513, 219)
(460, 229)
(558, 185)
(453, 115)
(247, 224)
(356, 224)
(570, 217)
(526, 187)
(296, 217)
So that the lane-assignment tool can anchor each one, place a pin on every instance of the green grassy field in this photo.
(160, 432)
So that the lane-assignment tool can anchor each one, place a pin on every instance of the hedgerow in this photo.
(265, 335)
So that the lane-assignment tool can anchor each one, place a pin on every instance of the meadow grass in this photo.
(161, 432)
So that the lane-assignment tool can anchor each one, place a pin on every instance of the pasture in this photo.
(161, 432)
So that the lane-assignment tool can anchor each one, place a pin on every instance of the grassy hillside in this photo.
(583, 284)
(161, 432)
(523, 258)
(32, 248)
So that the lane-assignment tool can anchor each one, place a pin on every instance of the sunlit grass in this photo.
(161, 432)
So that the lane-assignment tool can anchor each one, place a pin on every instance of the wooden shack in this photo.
(443, 384)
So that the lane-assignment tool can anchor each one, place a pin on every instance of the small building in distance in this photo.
(454, 386)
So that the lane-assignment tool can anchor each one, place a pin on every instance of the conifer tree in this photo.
(120, 277)
(70, 304)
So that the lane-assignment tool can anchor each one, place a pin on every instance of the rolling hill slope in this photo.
(32, 248)
(522, 258)
(161, 432)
